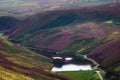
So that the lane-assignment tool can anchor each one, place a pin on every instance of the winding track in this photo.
(98, 72)
(95, 63)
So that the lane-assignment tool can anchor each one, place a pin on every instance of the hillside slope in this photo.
(7, 22)
(23, 8)
(80, 29)
(108, 56)
(18, 63)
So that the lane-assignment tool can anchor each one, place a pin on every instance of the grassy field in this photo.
(82, 75)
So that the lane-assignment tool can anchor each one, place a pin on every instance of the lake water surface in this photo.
(72, 67)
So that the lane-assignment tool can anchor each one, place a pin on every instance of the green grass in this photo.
(112, 22)
(82, 75)
(11, 49)
(109, 22)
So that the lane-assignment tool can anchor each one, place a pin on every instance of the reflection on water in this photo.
(57, 58)
(72, 67)
(68, 58)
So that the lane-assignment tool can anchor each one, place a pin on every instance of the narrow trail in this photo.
(95, 63)
(98, 72)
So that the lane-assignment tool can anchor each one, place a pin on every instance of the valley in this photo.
(77, 40)
(77, 63)
(14, 51)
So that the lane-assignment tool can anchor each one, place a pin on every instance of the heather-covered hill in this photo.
(18, 63)
(108, 56)
(80, 29)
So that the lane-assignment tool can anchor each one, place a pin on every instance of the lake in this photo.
(72, 67)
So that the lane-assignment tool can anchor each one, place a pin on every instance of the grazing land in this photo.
(83, 75)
